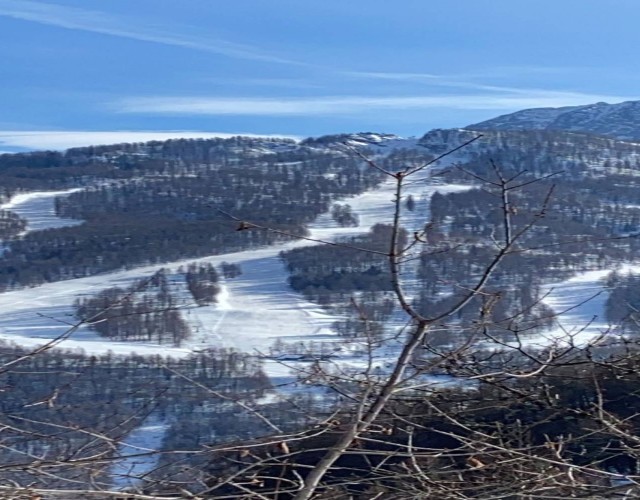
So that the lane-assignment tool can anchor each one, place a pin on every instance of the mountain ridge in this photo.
(620, 120)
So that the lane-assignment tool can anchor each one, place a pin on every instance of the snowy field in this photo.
(257, 308)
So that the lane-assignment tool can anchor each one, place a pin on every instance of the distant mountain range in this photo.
(620, 121)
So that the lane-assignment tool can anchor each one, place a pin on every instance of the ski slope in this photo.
(580, 301)
(254, 309)
(258, 308)
(38, 208)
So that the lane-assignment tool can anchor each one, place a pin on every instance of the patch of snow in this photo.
(580, 302)
(139, 453)
(38, 208)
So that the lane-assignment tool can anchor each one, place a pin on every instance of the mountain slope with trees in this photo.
(157, 202)
(460, 391)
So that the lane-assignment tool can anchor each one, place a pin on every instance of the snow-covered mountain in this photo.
(621, 120)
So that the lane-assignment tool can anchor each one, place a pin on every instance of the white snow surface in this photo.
(139, 453)
(39, 210)
(580, 303)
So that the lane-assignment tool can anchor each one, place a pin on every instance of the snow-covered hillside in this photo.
(254, 310)
(38, 208)
(257, 309)
(580, 302)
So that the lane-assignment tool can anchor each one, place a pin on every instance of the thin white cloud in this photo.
(350, 105)
(101, 22)
(490, 72)
(457, 81)
(289, 83)
(383, 75)
(58, 140)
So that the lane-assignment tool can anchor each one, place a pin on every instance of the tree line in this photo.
(167, 201)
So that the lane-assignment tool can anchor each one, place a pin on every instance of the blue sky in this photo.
(87, 71)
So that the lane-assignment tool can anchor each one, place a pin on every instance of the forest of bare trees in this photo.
(466, 406)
